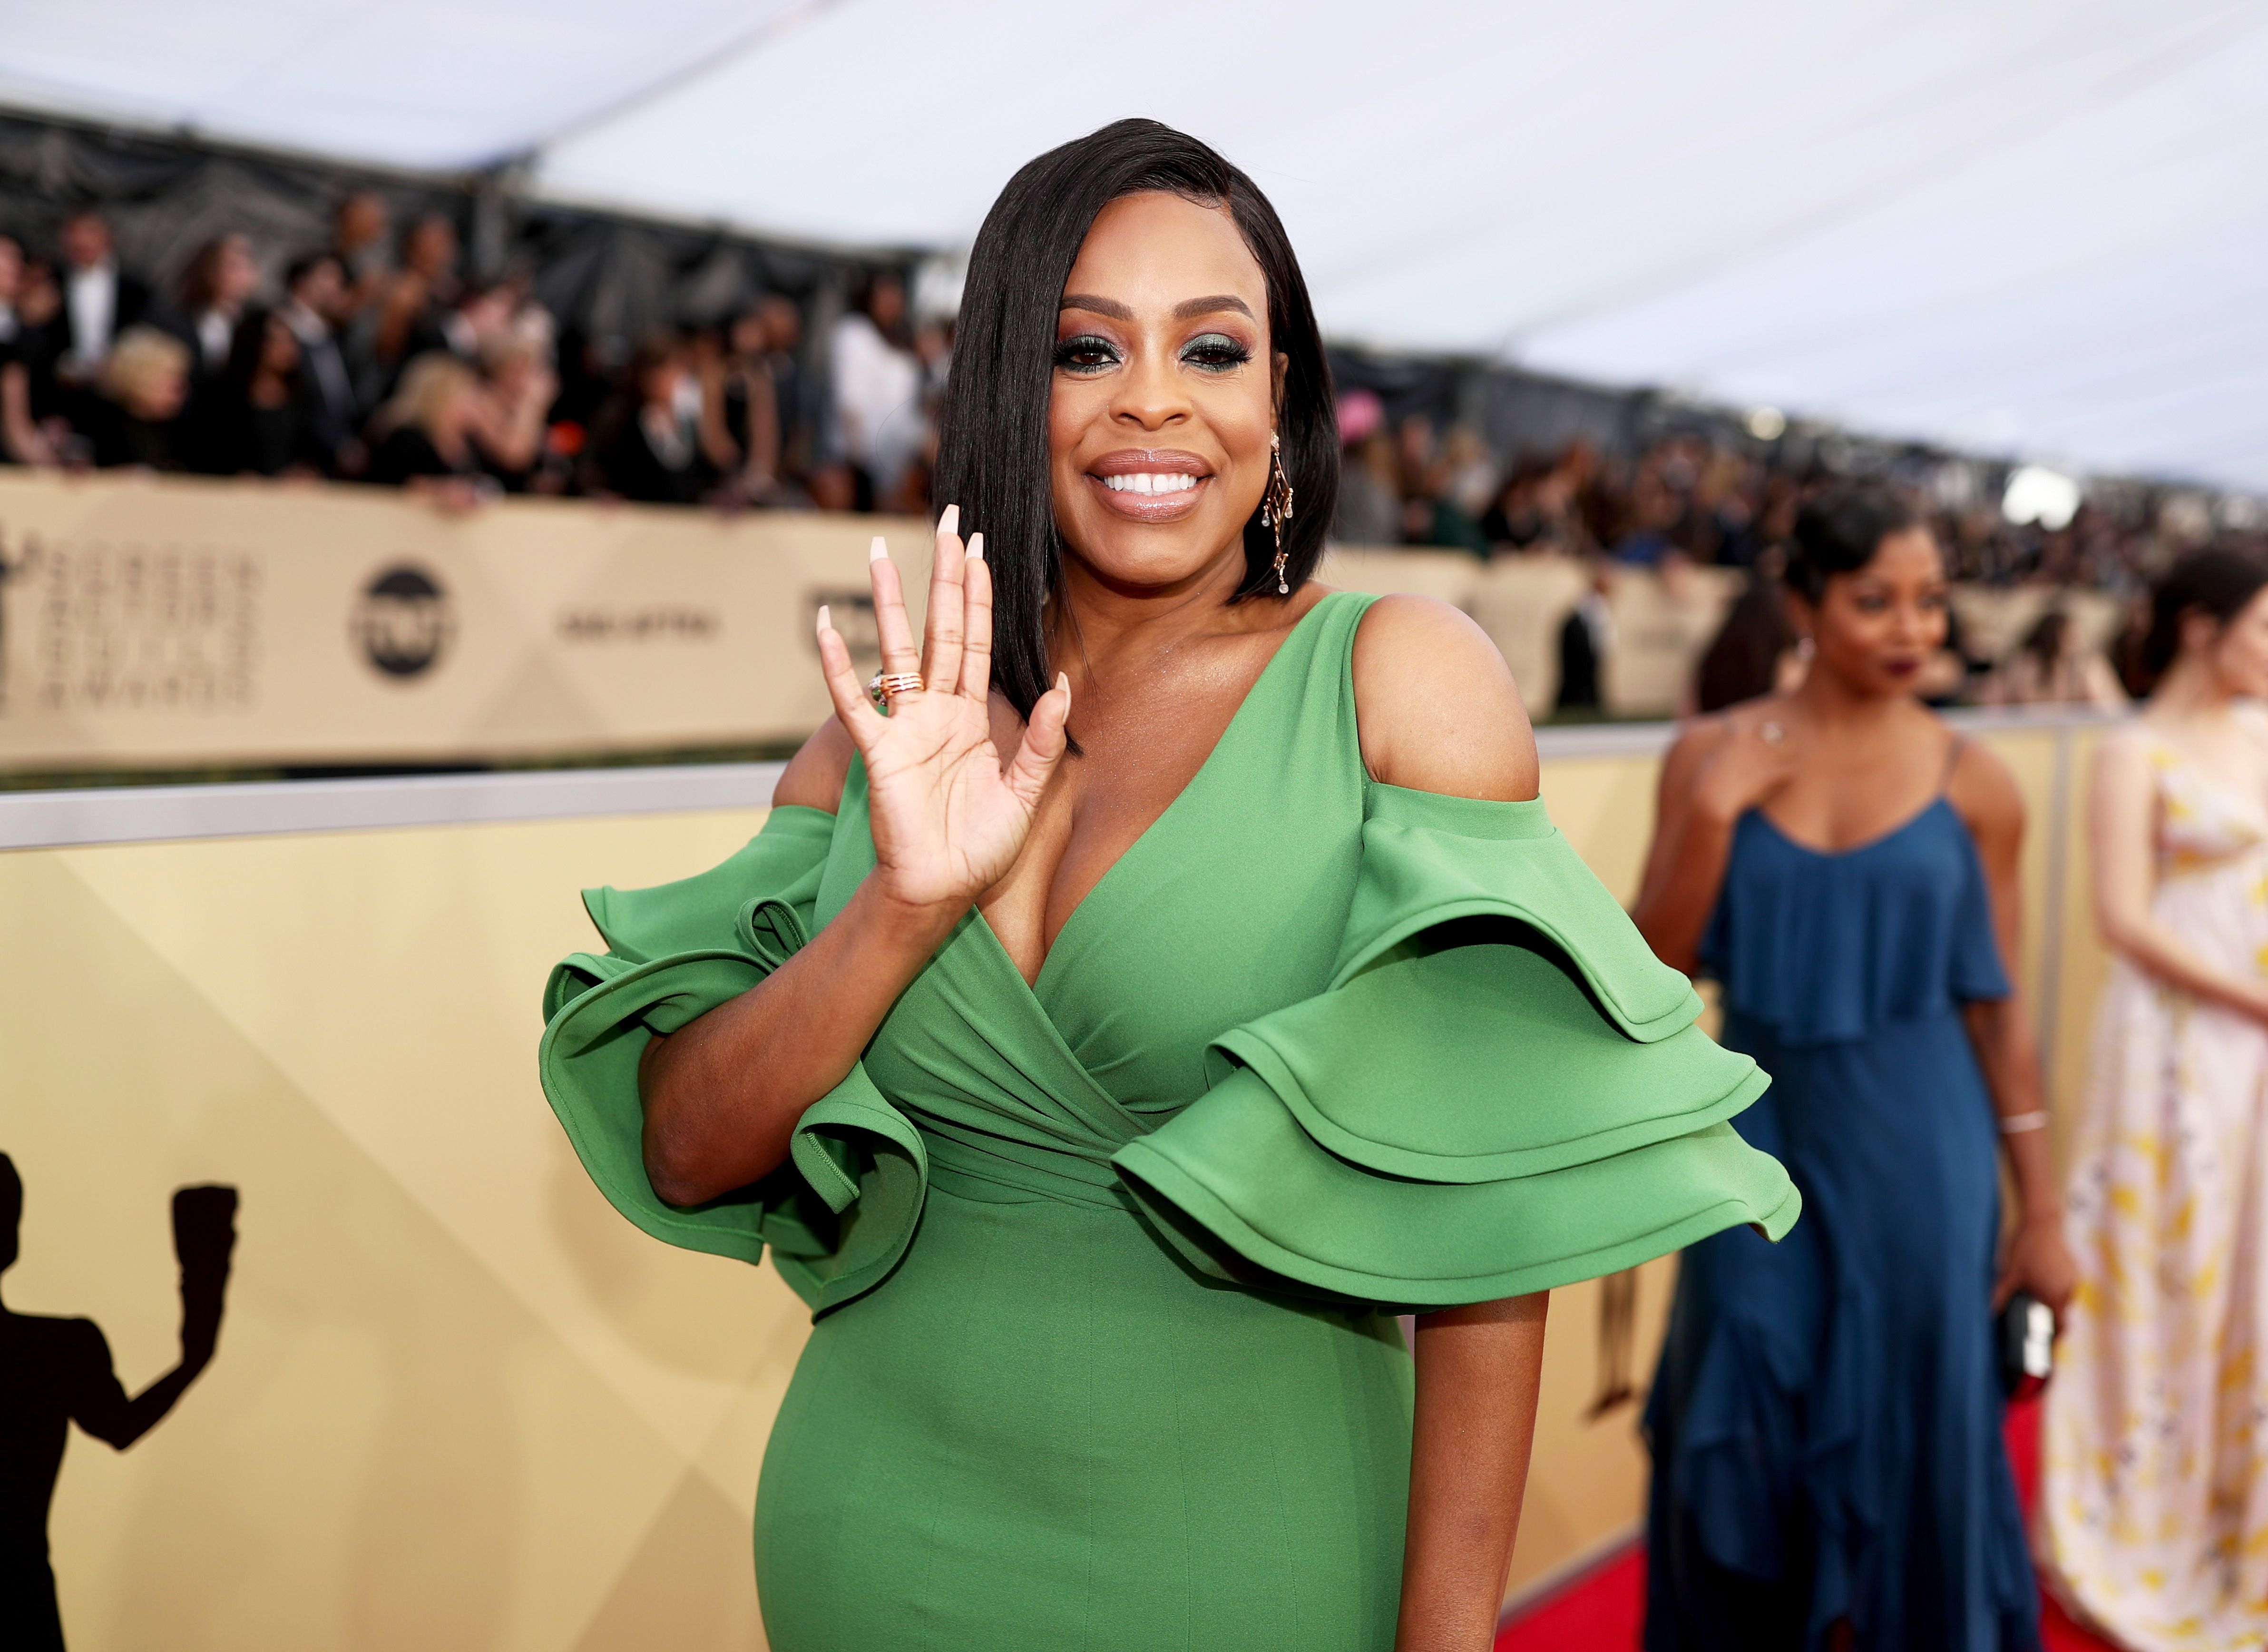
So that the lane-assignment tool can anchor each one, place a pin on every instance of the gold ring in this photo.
(885, 687)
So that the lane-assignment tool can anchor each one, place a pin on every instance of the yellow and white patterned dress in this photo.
(2153, 1512)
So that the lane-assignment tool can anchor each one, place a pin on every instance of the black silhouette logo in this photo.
(404, 621)
(55, 1372)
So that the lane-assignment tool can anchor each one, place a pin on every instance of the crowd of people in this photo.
(1686, 499)
(379, 359)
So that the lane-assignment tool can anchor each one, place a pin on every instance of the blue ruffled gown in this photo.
(1826, 1419)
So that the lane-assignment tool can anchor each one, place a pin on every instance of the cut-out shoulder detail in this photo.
(814, 776)
(1436, 706)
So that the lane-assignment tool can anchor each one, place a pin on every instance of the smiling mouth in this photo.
(1151, 482)
(1153, 485)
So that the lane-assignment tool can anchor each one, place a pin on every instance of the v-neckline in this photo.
(1864, 843)
(1251, 694)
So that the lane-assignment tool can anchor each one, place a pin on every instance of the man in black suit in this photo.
(314, 293)
(100, 301)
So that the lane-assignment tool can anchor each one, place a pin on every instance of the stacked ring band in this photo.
(885, 687)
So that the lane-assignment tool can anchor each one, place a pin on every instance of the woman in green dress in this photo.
(1107, 1078)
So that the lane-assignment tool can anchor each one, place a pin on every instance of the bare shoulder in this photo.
(1437, 705)
(1701, 738)
(1983, 791)
(814, 776)
(1698, 736)
(2125, 748)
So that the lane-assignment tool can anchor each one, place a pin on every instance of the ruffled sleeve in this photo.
(841, 1213)
(1502, 1091)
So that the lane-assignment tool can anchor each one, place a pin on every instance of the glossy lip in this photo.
(1149, 507)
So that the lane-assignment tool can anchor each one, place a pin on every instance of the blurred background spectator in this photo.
(511, 431)
(412, 300)
(424, 434)
(1369, 506)
(316, 302)
(1432, 513)
(256, 410)
(218, 281)
(749, 409)
(135, 417)
(100, 301)
(361, 240)
(21, 440)
(1755, 652)
(646, 446)
(2052, 668)
(878, 382)
(1587, 638)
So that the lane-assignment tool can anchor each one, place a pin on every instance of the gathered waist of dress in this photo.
(993, 1167)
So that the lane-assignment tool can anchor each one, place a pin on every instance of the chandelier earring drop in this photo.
(1276, 506)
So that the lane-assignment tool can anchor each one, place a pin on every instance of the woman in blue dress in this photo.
(1825, 1423)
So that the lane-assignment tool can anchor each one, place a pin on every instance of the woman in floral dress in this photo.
(2155, 1518)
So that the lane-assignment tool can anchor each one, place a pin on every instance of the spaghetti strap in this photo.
(1952, 760)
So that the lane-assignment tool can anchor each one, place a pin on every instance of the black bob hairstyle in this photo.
(992, 450)
(2219, 584)
(1839, 529)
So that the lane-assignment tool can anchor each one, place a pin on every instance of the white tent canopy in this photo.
(2034, 226)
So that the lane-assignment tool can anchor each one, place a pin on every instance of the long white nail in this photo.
(877, 551)
(822, 609)
(1062, 682)
(950, 522)
(976, 546)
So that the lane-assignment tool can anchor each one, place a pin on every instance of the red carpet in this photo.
(1603, 1610)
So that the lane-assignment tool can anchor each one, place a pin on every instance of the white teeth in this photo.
(1151, 482)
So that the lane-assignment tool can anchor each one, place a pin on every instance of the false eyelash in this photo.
(1085, 343)
(1226, 352)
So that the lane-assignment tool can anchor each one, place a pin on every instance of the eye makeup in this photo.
(1086, 352)
(1215, 352)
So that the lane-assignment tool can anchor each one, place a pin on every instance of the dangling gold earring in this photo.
(1276, 505)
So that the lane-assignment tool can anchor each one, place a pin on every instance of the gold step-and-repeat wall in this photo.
(180, 623)
(459, 1403)
(184, 623)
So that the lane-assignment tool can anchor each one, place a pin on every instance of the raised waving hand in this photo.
(948, 814)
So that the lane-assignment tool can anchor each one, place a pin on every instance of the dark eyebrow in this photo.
(1219, 301)
(1110, 307)
(1183, 312)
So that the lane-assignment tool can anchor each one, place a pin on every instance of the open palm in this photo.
(948, 816)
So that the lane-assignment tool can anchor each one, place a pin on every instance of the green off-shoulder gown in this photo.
(1102, 1269)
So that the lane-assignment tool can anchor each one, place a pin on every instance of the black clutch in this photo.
(2027, 1341)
